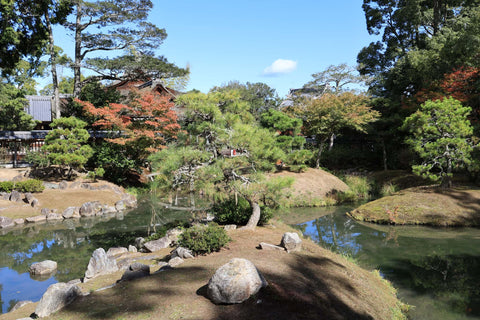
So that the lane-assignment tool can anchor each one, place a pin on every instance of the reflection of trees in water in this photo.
(337, 234)
(452, 279)
(71, 244)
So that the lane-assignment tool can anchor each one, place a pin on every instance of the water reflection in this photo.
(437, 270)
(70, 244)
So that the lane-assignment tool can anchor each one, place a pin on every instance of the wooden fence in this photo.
(14, 146)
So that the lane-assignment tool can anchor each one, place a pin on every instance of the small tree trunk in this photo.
(332, 139)
(384, 149)
(446, 179)
(319, 154)
(255, 217)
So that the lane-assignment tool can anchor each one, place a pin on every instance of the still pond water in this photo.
(437, 270)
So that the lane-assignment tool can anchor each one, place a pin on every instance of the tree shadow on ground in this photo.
(301, 294)
(467, 200)
(145, 296)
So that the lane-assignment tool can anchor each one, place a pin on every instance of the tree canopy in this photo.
(217, 123)
(441, 136)
(106, 26)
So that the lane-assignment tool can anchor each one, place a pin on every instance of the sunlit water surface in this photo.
(435, 269)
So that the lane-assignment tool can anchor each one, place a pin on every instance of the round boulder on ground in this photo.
(291, 242)
(136, 270)
(235, 282)
(15, 196)
(56, 297)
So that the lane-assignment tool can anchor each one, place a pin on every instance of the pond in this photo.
(436, 270)
(70, 243)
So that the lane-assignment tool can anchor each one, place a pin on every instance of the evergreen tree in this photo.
(441, 136)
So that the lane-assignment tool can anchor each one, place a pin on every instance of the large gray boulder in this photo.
(116, 251)
(35, 203)
(35, 219)
(136, 270)
(56, 297)
(182, 252)
(15, 196)
(89, 209)
(291, 242)
(44, 267)
(176, 261)
(174, 233)
(100, 263)
(235, 282)
(20, 304)
(54, 216)
(139, 242)
(120, 205)
(71, 212)
(158, 244)
(63, 185)
(6, 222)
(29, 197)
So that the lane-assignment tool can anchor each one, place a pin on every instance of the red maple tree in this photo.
(146, 123)
(462, 84)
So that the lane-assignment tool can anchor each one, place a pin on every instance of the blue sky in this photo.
(280, 43)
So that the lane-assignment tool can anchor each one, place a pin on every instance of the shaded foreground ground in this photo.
(425, 205)
(312, 284)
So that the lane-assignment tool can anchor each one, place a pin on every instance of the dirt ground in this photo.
(53, 198)
(313, 182)
(311, 284)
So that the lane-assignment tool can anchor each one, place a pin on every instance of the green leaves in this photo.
(441, 136)
(66, 143)
(12, 109)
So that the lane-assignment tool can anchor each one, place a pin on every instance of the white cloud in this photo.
(280, 66)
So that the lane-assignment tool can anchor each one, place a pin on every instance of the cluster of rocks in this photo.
(88, 209)
(232, 283)
(291, 242)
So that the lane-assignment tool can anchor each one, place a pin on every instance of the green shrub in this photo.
(37, 158)
(359, 189)
(230, 212)
(204, 239)
(31, 185)
(6, 186)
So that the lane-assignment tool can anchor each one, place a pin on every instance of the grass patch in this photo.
(424, 205)
(359, 189)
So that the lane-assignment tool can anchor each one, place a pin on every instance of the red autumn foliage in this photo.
(462, 84)
(149, 119)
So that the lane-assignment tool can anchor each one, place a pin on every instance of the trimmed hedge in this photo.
(204, 239)
(31, 185)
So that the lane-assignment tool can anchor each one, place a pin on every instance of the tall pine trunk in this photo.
(78, 52)
(53, 62)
